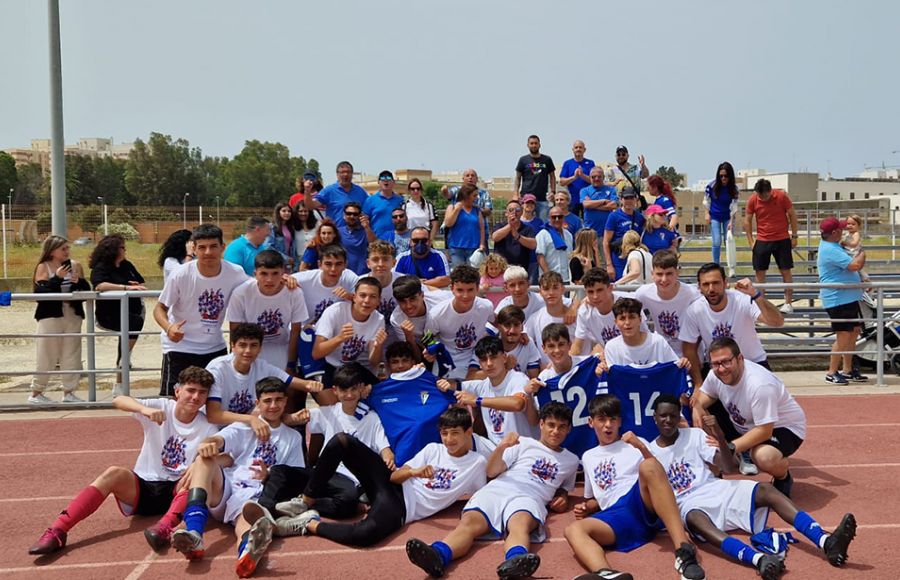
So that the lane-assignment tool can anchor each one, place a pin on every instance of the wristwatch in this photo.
(731, 447)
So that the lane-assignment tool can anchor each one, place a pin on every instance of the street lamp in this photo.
(105, 216)
(184, 211)
(218, 216)
(11, 190)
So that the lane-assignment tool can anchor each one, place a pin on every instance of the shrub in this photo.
(127, 231)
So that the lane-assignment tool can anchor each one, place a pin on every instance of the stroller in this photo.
(868, 339)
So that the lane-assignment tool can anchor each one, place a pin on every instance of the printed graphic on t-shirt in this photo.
(536, 167)
(668, 324)
(545, 470)
(496, 420)
(605, 474)
(386, 308)
(352, 348)
(736, 415)
(272, 321)
(608, 333)
(443, 478)
(211, 304)
(267, 452)
(466, 336)
(722, 330)
(241, 402)
(681, 476)
(173, 454)
(321, 306)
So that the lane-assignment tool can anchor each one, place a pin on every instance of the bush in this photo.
(127, 231)
(119, 216)
(44, 222)
(152, 214)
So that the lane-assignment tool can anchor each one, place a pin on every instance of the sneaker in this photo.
(787, 308)
(425, 557)
(291, 508)
(159, 537)
(253, 511)
(520, 566)
(746, 466)
(189, 543)
(118, 390)
(784, 485)
(54, 540)
(835, 545)
(770, 567)
(38, 399)
(856, 377)
(605, 574)
(260, 536)
(71, 397)
(296, 526)
(686, 563)
(836, 379)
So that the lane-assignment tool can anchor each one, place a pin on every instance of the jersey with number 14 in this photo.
(638, 387)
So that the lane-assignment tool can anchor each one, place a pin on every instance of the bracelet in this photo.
(755, 296)
(478, 401)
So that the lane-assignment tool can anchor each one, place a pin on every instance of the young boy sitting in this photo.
(528, 475)
(510, 322)
(173, 429)
(627, 499)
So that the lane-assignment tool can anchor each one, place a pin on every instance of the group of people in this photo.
(427, 396)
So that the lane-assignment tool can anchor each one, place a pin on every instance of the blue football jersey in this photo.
(310, 368)
(580, 387)
(637, 388)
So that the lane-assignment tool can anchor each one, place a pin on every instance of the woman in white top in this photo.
(420, 211)
(175, 251)
(639, 261)
(307, 221)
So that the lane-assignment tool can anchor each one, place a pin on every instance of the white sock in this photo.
(822, 540)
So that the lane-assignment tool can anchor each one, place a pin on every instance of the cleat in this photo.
(159, 537)
(746, 465)
(686, 563)
(260, 536)
(425, 557)
(71, 397)
(837, 379)
(769, 567)
(38, 399)
(291, 508)
(189, 543)
(857, 377)
(520, 566)
(54, 540)
(253, 511)
(784, 485)
(605, 574)
(836, 544)
(297, 525)
(787, 308)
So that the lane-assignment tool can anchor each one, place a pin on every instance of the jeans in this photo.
(719, 229)
(543, 210)
(460, 256)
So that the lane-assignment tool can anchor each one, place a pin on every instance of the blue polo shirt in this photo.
(379, 209)
(573, 223)
(242, 253)
(431, 266)
(620, 222)
(568, 170)
(659, 239)
(356, 244)
(595, 218)
(832, 262)
(334, 199)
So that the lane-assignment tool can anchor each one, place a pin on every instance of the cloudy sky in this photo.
(445, 85)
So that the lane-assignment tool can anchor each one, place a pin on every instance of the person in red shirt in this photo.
(306, 185)
(774, 213)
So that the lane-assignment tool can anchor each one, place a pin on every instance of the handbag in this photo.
(730, 253)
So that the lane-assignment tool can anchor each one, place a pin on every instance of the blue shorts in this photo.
(629, 519)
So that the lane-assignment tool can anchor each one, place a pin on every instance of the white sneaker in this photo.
(118, 390)
(787, 308)
(746, 465)
(71, 397)
(38, 399)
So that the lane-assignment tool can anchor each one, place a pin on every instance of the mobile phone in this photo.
(67, 264)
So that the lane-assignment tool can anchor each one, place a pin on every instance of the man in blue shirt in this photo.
(242, 251)
(618, 223)
(334, 197)
(355, 237)
(598, 200)
(429, 265)
(574, 174)
(379, 207)
(484, 201)
(837, 267)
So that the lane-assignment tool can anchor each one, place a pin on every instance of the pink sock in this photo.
(84, 504)
(175, 514)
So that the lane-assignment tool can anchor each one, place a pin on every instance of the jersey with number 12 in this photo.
(578, 388)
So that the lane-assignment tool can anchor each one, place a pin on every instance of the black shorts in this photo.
(174, 362)
(154, 497)
(784, 440)
(763, 252)
(843, 311)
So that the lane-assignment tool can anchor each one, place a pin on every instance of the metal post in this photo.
(218, 215)
(184, 211)
(91, 350)
(124, 351)
(5, 273)
(879, 333)
(200, 213)
(893, 234)
(57, 143)
(105, 220)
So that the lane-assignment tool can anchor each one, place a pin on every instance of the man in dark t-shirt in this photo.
(534, 173)
(514, 240)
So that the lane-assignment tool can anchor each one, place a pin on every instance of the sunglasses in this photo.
(398, 216)
(417, 240)
(415, 189)
(352, 213)
(557, 217)
(385, 178)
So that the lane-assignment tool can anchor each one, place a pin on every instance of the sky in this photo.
(783, 86)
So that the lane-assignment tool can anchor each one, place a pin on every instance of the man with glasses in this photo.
(334, 197)
(483, 200)
(554, 245)
(355, 237)
(536, 174)
(625, 176)
(763, 418)
(422, 261)
(401, 232)
(598, 201)
(379, 207)
(515, 240)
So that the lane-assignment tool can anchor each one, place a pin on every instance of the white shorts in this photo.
(498, 505)
(729, 503)
(218, 511)
(235, 497)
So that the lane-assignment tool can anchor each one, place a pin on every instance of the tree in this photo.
(671, 175)
(162, 170)
(215, 178)
(33, 185)
(109, 180)
(262, 174)
(9, 177)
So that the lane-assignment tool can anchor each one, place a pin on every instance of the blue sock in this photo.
(244, 539)
(806, 525)
(516, 551)
(739, 550)
(445, 552)
(195, 517)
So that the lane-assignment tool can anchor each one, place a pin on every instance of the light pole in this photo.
(11, 190)
(105, 216)
(184, 210)
(218, 216)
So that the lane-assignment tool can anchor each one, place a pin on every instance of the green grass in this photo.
(22, 258)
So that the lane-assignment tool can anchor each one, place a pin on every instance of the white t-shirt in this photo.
(668, 315)
(432, 299)
(536, 471)
(357, 347)
(610, 471)
(685, 461)
(654, 350)
(557, 260)
(201, 302)
(737, 320)
(170, 265)
(535, 303)
(643, 261)
(536, 323)
(759, 398)
(549, 372)
(365, 425)
(284, 447)
(318, 296)
(499, 423)
(237, 392)
(168, 449)
(453, 478)
(460, 331)
(275, 314)
(595, 328)
(527, 357)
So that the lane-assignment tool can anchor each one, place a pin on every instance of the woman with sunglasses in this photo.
(721, 203)
(419, 211)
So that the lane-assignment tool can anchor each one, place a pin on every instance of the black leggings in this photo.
(388, 510)
(339, 502)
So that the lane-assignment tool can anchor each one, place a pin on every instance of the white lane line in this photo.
(74, 452)
(142, 567)
(843, 465)
(48, 498)
(852, 425)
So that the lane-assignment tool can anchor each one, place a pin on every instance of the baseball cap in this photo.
(829, 225)
(385, 175)
(628, 193)
(654, 209)
(528, 197)
(621, 149)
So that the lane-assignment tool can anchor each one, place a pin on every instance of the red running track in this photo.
(849, 462)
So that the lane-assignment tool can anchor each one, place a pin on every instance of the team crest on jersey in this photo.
(173, 455)
(267, 452)
(423, 396)
(667, 323)
(736, 416)
(722, 330)
(271, 321)
(681, 476)
(321, 306)
(605, 474)
(545, 469)
(496, 418)
(211, 304)
(465, 336)
(608, 333)
(241, 402)
(443, 478)
(352, 348)
(387, 307)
